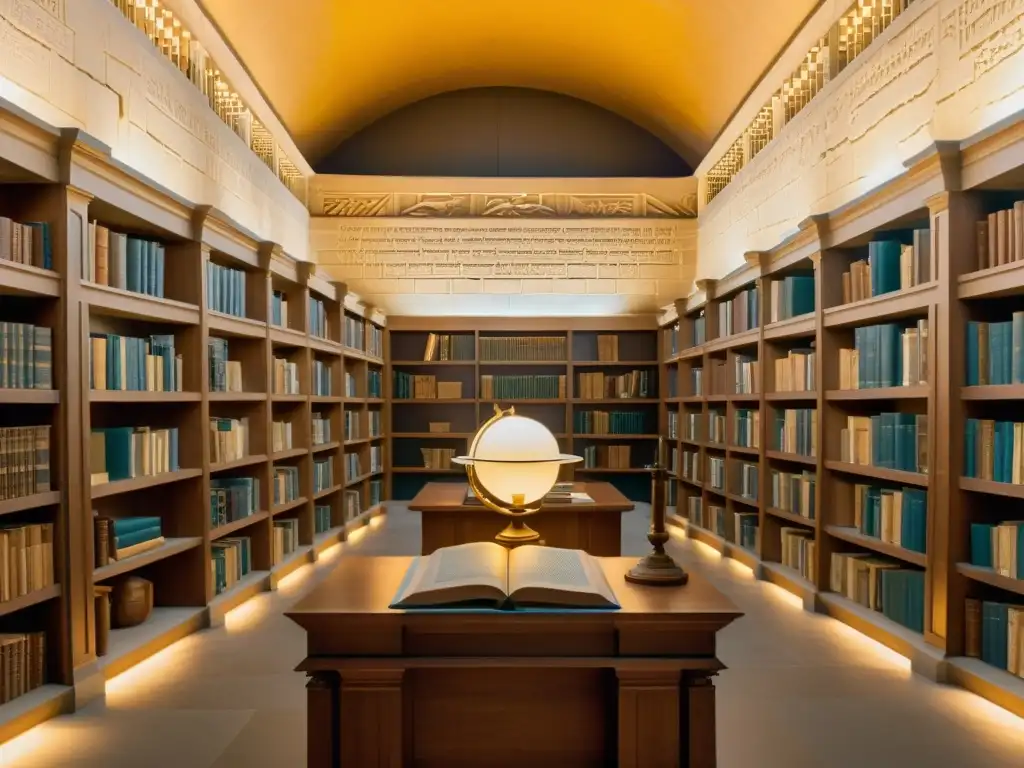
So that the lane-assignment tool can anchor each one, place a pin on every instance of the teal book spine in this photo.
(133, 258)
(118, 452)
(125, 525)
(972, 354)
(1017, 347)
(137, 537)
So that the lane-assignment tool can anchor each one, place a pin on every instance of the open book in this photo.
(488, 574)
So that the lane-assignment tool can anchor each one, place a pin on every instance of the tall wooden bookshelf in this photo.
(570, 348)
(70, 184)
(904, 509)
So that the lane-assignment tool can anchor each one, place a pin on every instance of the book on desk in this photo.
(487, 575)
(561, 493)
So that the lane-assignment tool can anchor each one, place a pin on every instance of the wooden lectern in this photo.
(504, 689)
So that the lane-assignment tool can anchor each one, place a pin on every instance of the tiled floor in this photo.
(801, 691)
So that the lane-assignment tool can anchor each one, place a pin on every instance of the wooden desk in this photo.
(433, 689)
(595, 528)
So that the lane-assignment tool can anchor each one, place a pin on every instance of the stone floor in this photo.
(801, 691)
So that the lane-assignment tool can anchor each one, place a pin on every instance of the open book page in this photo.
(550, 576)
(459, 574)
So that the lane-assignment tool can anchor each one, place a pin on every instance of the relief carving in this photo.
(356, 205)
(516, 205)
(437, 205)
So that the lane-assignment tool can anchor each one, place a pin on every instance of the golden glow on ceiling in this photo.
(676, 67)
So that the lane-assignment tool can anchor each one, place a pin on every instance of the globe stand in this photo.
(657, 569)
(517, 532)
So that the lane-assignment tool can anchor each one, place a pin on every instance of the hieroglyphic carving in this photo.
(22, 59)
(986, 31)
(507, 205)
(43, 21)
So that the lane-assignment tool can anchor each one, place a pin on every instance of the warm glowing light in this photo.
(993, 724)
(377, 520)
(740, 568)
(870, 650)
(295, 579)
(353, 537)
(782, 595)
(166, 666)
(330, 553)
(247, 615)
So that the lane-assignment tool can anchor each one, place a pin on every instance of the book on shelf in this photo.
(118, 538)
(321, 518)
(374, 340)
(794, 492)
(438, 458)
(716, 473)
(523, 348)
(122, 453)
(232, 499)
(375, 422)
(354, 465)
(30, 243)
(746, 428)
(745, 479)
(672, 424)
(280, 436)
(318, 325)
(673, 340)
(355, 333)
(350, 422)
(886, 355)
(798, 551)
(526, 387)
(716, 427)
(353, 504)
(225, 289)
(994, 450)
(745, 375)
(796, 372)
(691, 466)
(26, 356)
(225, 375)
(599, 386)
(285, 538)
(25, 461)
(606, 457)
(999, 547)
(696, 382)
(323, 474)
(607, 348)
(1000, 237)
(376, 492)
(445, 346)
(285, 484)
(610, 423)
(886, 440)
(995, 633)
(746, 529)
(134, 364)
(230, 561)
(279, 309)
(739, 314)
(897, 517)
(229, 439)
(375, 383)
(880, 585)
(376, 458)
(351, 385)
(320, 428)
(23, 660)
(408, 386)
(26, 559)
(123, 261)
(321, 378)
(791, 297)
(487, 574)
(693, 428)
(795, 430)
(891, 266)
(994, 352)
(698, 330)
(286, 377)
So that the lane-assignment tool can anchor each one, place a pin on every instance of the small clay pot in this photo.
(132, 602)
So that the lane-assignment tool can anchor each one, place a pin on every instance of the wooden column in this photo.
(321, 719)
(370, 715)
(701, 746)
(647, 700)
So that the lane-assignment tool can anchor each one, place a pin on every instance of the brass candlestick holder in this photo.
(658, 568)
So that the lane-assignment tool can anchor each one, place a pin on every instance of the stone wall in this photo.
(944, 70)
(80, 63)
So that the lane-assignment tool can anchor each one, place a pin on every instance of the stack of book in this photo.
(606, 457)
(796, 371)
(233, 498)
(318, 325)
(230, 561)
(794, 493)
(890, 266)
(285, 377)
(443, 346)
(124, 262)
(994, 450)
(353, 466)
(999, 547)
(225, 375)
(25, 459)
(738, 314)
(896, 517)
(1001, 237)
(321, 518)
(523, 348)
(613, 423)
(26, 552)
(527, 387)
(225, 289)
(121, 537)
(791, 296)
(323, 474)
(136, 365)
(745, 375)
(286, 484)
(229, 440)
(994, 352)
(23, 656)
(887, 440)
(25, 356)
(746, 428)
(355, 333)
(26, 243)
(285, 539)
(886, 355)
(796, 431)
(881, 585)
(798, 549)
(995, 634)
(438, 458)
(716, 427)
(600, 386)
(745, 479)
(321, 378)
(374, 383)
(280, 436)
(279, 309)
(320, 428)
(121, 453)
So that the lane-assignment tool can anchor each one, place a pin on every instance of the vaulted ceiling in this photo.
(675, 67)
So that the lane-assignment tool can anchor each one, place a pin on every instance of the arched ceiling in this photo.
(675, 67)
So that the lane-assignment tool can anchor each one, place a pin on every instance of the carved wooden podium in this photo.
(631, 687)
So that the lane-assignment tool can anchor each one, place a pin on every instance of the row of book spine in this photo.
(407, 386)
(230, 561)
(321, 380)
(318, 325)
(376, 423)
(793, 492)
(745, 530)
(690, 469)
(897, 517)
(353, 504)
(745, 375)
(125, 262)
(26, 243)
(795, 430)
(229, 439)
(740, 313)
(881, 585)
(26, 356)
(994, 450)
(285, 377)
(354, 465)
(716, 427)
(994, 632)
(350, 424)
(610, 423)
(791, 296)
(744, 479)
(285, 484)
(355, 333)
(606, 457)
(26, 559)
(1000, 237)
(886, 355)
(134, 364)
(225, 374)
(891, 266)
(321, 518)
(374, 341)
(24, 461)
(798, 551)
(279, 309)
(351, 385)
(445, 346)
(374, 383)
(376, 458)
(281, 435)
(285, 538)
(796, 372)
(746, 428)
(118, 538)
(323, 474)
(225, 289)
(698, 330)
(994, 352)
(598, 385)
(1000, 547)
(320, 428)
(887, 440)
(435, 458)
(232, 499)
(523, 348)
(23, 663)
(122, 453)
(528, 387)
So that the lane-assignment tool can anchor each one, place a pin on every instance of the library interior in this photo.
(400, 384)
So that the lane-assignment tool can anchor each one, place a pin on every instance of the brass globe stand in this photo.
(658, 568)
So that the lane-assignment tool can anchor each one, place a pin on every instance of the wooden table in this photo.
(437, 689)
(595, 528)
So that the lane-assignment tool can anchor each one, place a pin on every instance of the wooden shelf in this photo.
(123, 396)
(993, 392)
(321, 447)
(29, 396)
(229, 325)
(991, 486)
(620, 363)
(289, 398)
(793, 328)
(606, 470)
(237, 397)
(587, 436)
(890, 306)
(781, 397)
(288, 506)
(441, 363)
(996, 685)
(879, 393)
(327, 492)
(740, 499)
(245, 588)
(501, 363)
(791, 517)
(169, 548)
(290, 453)
(35, 597)
(22, 503)
(27, 280)
(741, 339)
(236, 525)
(37, 706)
(245, 461)
(853, 536)
(430, 435)
(873, 624)
(613, 401)
(325, 400)
(138, 306)
(286, 337)
(1003, 280)
(138, 483)
(789, 579)
(165, 625)
(990, 577)
(743, 450)
(890, 475)
(434, 401)
(797, 458)
(361, 478)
